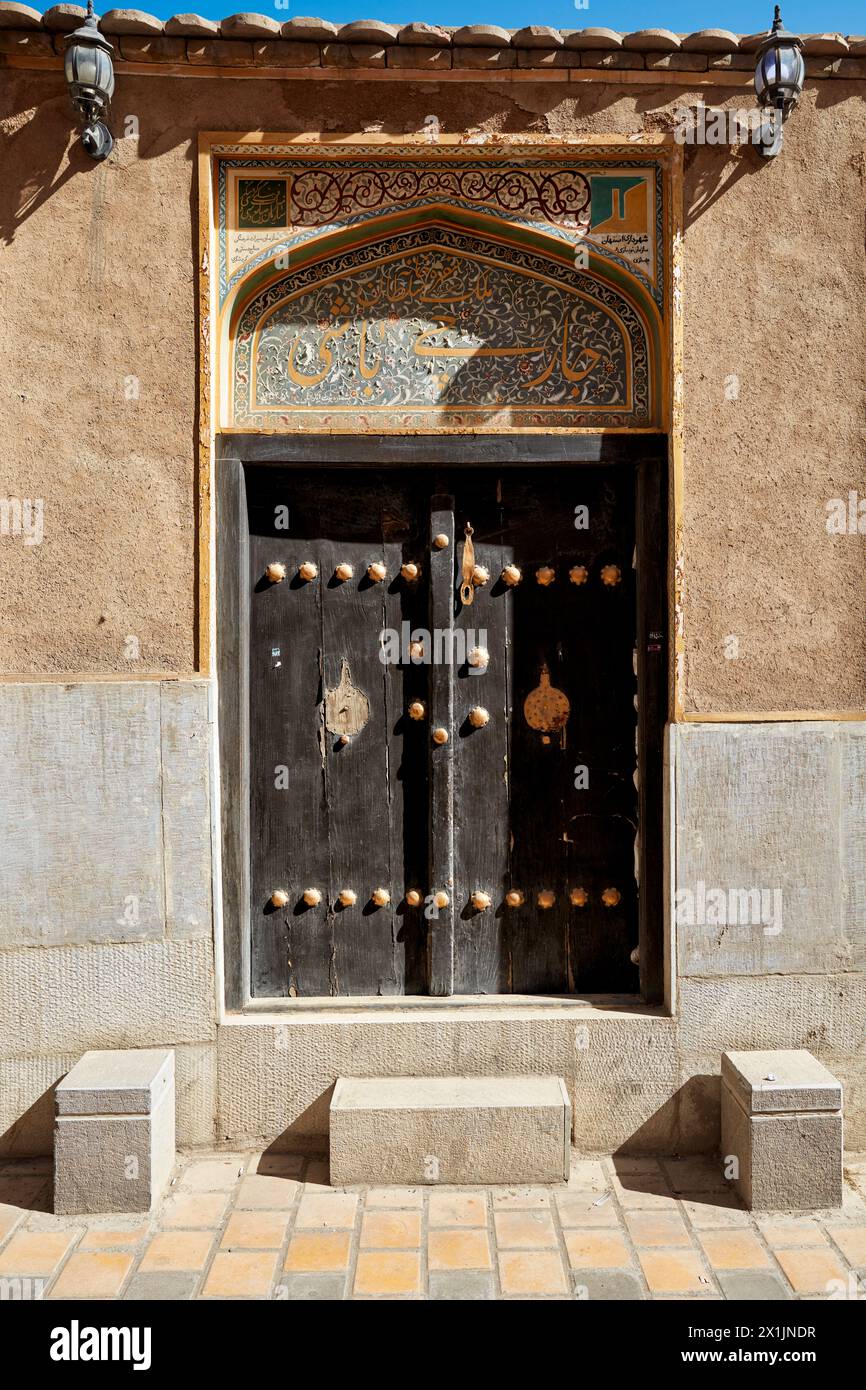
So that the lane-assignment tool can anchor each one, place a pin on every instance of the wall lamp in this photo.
(90, 76)
(779, 77)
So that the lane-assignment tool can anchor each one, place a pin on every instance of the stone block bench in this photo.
(782, 1122)
(450, 1129)
(114, 1137)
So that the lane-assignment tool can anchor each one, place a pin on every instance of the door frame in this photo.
(647, 451)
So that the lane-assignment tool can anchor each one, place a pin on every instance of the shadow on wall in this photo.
(688, 1123)
(32, 1134)
(45, 132)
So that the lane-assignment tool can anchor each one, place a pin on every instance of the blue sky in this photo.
(683, 16)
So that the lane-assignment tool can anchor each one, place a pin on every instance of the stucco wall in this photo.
(99, 282)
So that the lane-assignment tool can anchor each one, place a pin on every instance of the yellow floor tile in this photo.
(255, 1230)
(36, 1252)
(391, 1272)
(657, 1228)
(670, 1271)
(240, 1275)
(391, 1230)
(811, 1271)
(99, 1274)
(580, 1209)
(783, 1235)
(314, 1251)
(734, 1250)
(327, 1209)
(191, 1210)
(177, 1250)
(524, 1230)
(110, 1239)
(528, 1272)
(211, 1175)
(851, 1240)
(458, 1250)
(597, 1250)
(457, 1209)
(265, 1192)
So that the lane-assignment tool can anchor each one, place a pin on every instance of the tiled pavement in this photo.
(268, 1226)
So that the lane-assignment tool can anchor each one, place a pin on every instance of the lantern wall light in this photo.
(90, 76)
(779, 75)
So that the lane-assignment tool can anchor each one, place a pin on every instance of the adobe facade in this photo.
(121, 365)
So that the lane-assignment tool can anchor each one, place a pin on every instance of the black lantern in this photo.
(779, 77)
(90, 75)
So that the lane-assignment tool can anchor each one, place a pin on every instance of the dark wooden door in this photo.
(524, 820)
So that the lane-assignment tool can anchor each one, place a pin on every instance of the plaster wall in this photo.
(99, 276)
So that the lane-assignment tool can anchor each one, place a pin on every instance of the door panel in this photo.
(338, 820)
(540, 799)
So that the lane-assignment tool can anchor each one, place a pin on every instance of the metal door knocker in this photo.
(547, 709)
(467, 588)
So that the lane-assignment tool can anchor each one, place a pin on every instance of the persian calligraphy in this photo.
(434, 328)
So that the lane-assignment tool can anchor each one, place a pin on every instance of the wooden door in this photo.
(544, 796)
(525, 818)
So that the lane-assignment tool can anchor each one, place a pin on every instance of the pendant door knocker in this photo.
(347, 708)
(546, 709)
(467, 588)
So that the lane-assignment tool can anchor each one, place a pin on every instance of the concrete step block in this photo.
(451, 1130)
(782, 1124)
(114, 1133)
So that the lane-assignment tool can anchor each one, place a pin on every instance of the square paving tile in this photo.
(607, 1286)
(310, 1287)
(177, 1251)
(457, 1209)
(193, 1210)
(524, 1230)
(315, 1252)
(458, 1250)
(734, 1250)
(673, 1271)
(597, 1250)
(153, 1288)
(267, 1192)
(391, 1230)
(657, 1228)
(99, 1274)
(851, 1240)
(462, 1285)
(110, 1238)
(812, 1271)
(323, 1209)
(532, 1272)
(240, 1274)
(255, 1230)
(388, 1272)
(586, 1209)
(36, 1252)
(786, 1235)
(648, 1193)
(211, 1175)
(753, 1286)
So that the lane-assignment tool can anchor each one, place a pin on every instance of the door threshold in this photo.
(569, 1004)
